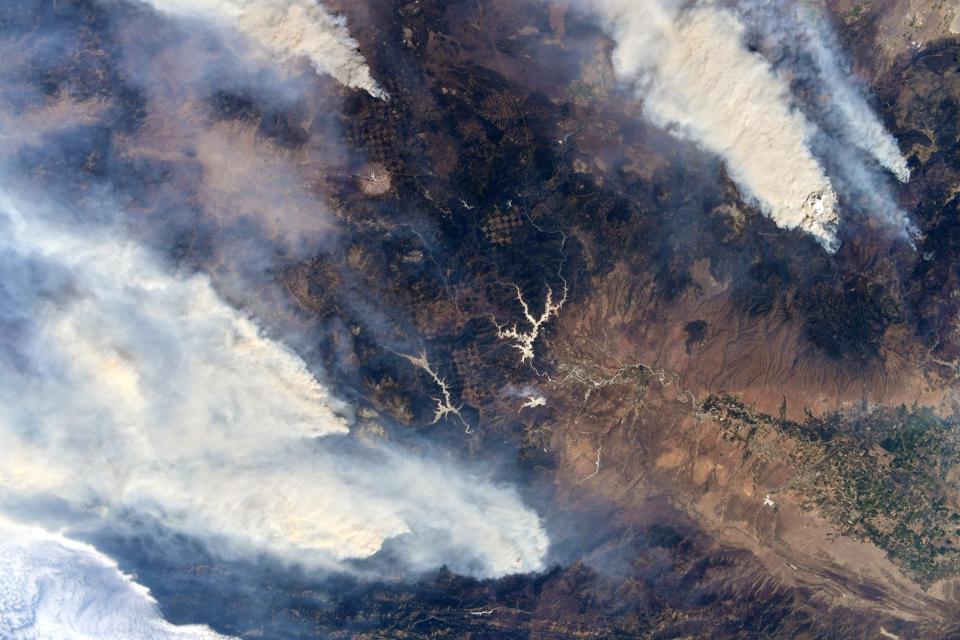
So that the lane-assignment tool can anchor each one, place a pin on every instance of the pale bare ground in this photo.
(628, 441)
(629, 394)
(765, 360)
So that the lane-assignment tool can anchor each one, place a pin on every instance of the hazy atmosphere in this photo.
(503, 319)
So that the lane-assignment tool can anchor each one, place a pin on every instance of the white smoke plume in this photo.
(697, 77)
(288, 29)
(795, 28)
(127, 388)
(851, 138)
(53, 588)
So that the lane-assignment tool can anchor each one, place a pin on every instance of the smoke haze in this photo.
(129, 388)
(795, 38)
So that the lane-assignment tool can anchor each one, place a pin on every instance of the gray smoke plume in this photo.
(288, 29)
(691, 65)
(130, 385)
(129, 388)
(797, 40)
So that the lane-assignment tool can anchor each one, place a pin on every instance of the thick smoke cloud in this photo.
(793, 37)
(52, 588)
(288, 29)
(850, 138)
(697, 77)
(126, 388)
(131, 392)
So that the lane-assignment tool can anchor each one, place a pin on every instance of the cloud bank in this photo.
(128, 388)
(288, 29)
(52, 588)
(698, 78)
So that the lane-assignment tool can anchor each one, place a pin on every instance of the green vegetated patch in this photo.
(887, 475)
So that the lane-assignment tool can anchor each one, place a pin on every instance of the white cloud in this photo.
(698, 79)
(288, 29)
(126, 387)
(52, 588)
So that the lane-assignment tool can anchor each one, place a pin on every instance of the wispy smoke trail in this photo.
(128, 388)
(691, 65)
(53, 588)
(699, 80)
(797, 43)
(793, 28)
(288, 29)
